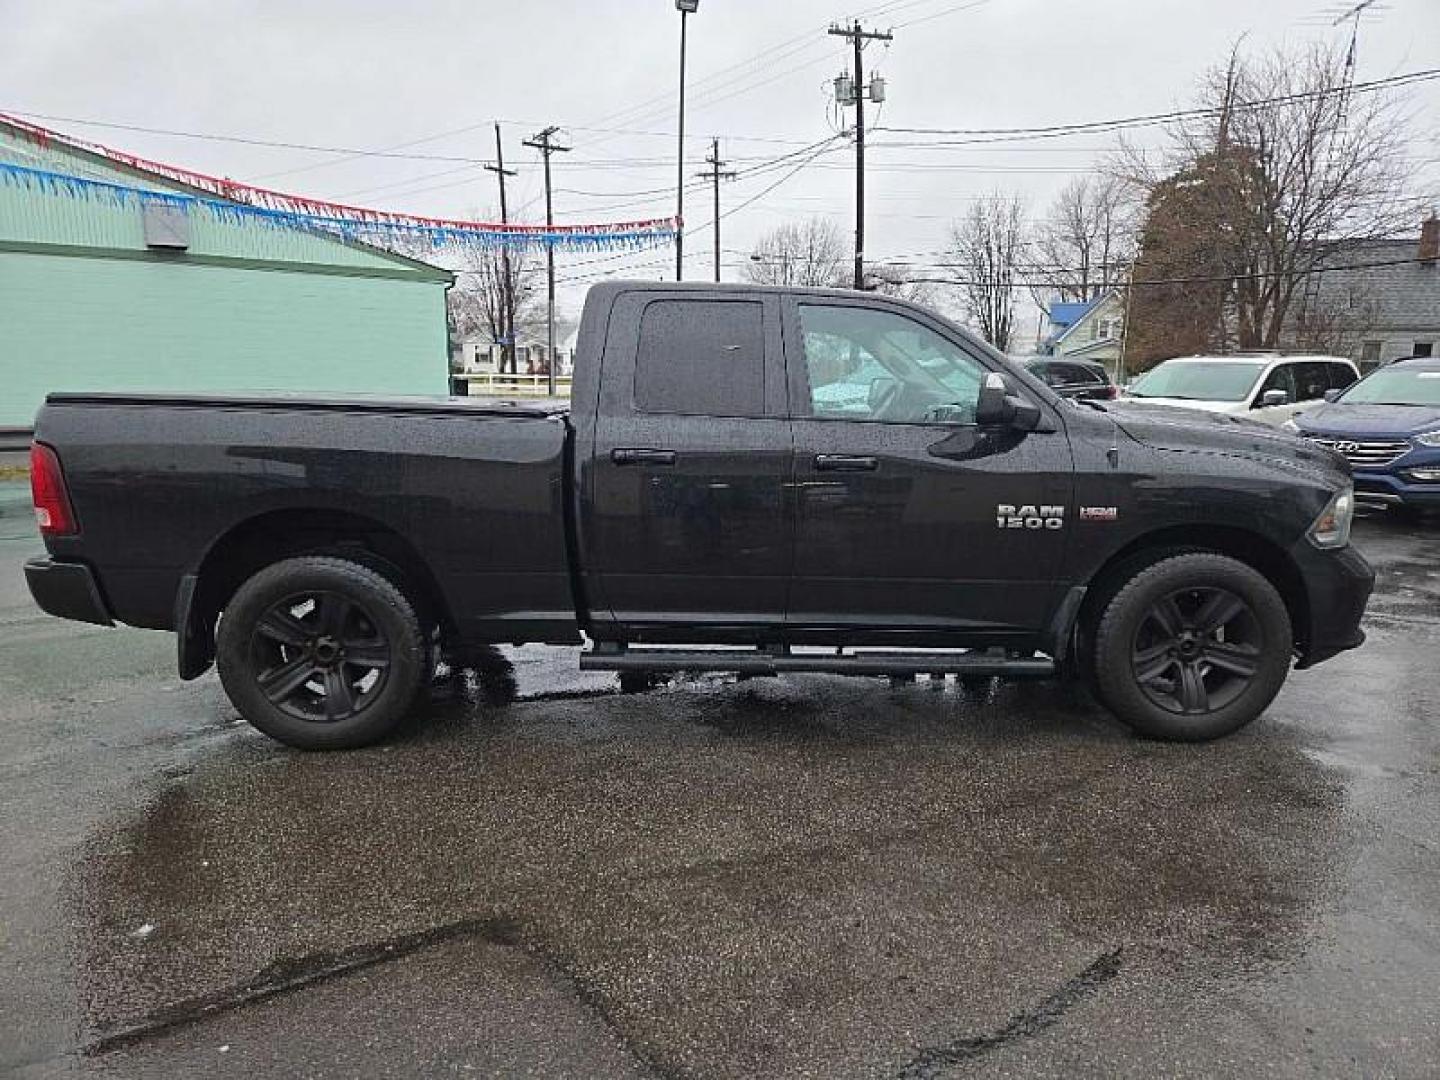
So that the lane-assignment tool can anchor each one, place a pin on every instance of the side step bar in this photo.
(779, 662)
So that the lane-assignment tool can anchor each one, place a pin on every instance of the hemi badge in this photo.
(1099, 513)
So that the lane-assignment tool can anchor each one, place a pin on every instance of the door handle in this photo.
(845, 463)
(642, 456)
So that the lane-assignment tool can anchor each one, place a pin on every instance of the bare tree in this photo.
(494, 293)
(1084, 244)
(1285, 172)
(987, 247)
(812, 252)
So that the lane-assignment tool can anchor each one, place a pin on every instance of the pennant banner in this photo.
(237, 202)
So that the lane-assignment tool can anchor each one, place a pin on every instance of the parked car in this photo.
(1267, 388)
(1074, 378)
(707, 485)
(1388, 427)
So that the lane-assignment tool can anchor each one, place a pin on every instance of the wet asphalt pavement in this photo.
(800, 877)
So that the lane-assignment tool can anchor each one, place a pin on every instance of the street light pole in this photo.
(686, 9)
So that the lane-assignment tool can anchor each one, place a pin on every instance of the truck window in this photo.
(865, 364)
(701, 358)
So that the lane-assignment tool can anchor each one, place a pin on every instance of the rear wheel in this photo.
(321, 653)
(1193, 647)
(639, 682)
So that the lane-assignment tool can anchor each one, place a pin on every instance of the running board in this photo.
(779, 662)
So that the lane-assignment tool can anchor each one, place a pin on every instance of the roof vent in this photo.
(167, 225)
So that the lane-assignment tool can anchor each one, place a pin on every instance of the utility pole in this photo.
(544, 142)
(857, 90)
(507, 287)
(714, 175)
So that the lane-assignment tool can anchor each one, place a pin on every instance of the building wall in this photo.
(86, 305)
(72, 322)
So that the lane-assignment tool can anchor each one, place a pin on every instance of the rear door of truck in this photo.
(687, 509)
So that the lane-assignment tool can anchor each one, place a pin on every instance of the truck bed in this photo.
(472, 489)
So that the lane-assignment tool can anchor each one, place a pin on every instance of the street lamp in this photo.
(686, 9)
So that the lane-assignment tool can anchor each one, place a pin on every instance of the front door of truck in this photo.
(911, 518)
(688, 523)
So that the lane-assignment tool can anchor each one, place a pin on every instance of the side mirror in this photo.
(999, 407)
(1333, 395)
(1271, 398)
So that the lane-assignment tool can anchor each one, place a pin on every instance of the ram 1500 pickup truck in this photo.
(811, 480)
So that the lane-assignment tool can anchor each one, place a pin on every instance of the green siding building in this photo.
(86, 303)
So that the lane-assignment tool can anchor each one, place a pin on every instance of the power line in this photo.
(1060, 130)
(1040, 277)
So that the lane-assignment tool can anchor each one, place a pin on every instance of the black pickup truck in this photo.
(745, 479)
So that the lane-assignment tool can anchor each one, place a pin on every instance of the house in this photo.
(1386, 305)
(116, 277)
(1092, 330)
(480, 355)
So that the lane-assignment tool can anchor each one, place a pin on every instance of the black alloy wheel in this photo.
(1193, 646)
(320, 657)
(1196, 650)
(322, 653)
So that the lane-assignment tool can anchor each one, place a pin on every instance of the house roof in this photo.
(167, 183)
(1397, 298)
(1067, 314)
(1090, 307)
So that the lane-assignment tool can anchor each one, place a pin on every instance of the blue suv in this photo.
(1387, 426)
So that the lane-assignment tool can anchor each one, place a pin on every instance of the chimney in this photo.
(1429, 240)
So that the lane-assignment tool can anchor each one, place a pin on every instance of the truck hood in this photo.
(1374, 421)
(1198, 431)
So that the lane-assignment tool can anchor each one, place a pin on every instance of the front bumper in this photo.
(68, 590)
(1392, 488)
(1337, 587)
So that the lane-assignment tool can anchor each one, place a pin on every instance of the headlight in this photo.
(1290, 426)
(1430, 438)
(1332, 527)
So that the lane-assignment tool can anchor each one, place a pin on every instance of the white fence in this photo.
(493, 384)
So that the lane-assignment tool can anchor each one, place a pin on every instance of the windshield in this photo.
(1197, 380)
(1396, 386)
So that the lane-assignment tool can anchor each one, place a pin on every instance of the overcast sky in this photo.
(434, 74)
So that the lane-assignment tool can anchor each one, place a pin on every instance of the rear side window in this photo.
(701, 358)
(1341, 376)
(1088, 375)
(1311, 380)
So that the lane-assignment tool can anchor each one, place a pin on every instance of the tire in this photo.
(321, 653)
(639, 682)
(1193, 647)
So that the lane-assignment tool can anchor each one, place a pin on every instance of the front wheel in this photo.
(1193, 647)
(321, 653)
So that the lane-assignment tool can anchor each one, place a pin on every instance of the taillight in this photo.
(1112, 392)
(47, 488)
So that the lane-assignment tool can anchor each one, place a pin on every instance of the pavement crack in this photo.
(930, 1061)
(284, 976)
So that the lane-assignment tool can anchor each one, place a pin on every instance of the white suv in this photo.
(1262, 387)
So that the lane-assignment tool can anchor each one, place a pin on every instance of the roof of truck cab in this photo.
(539, 407)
